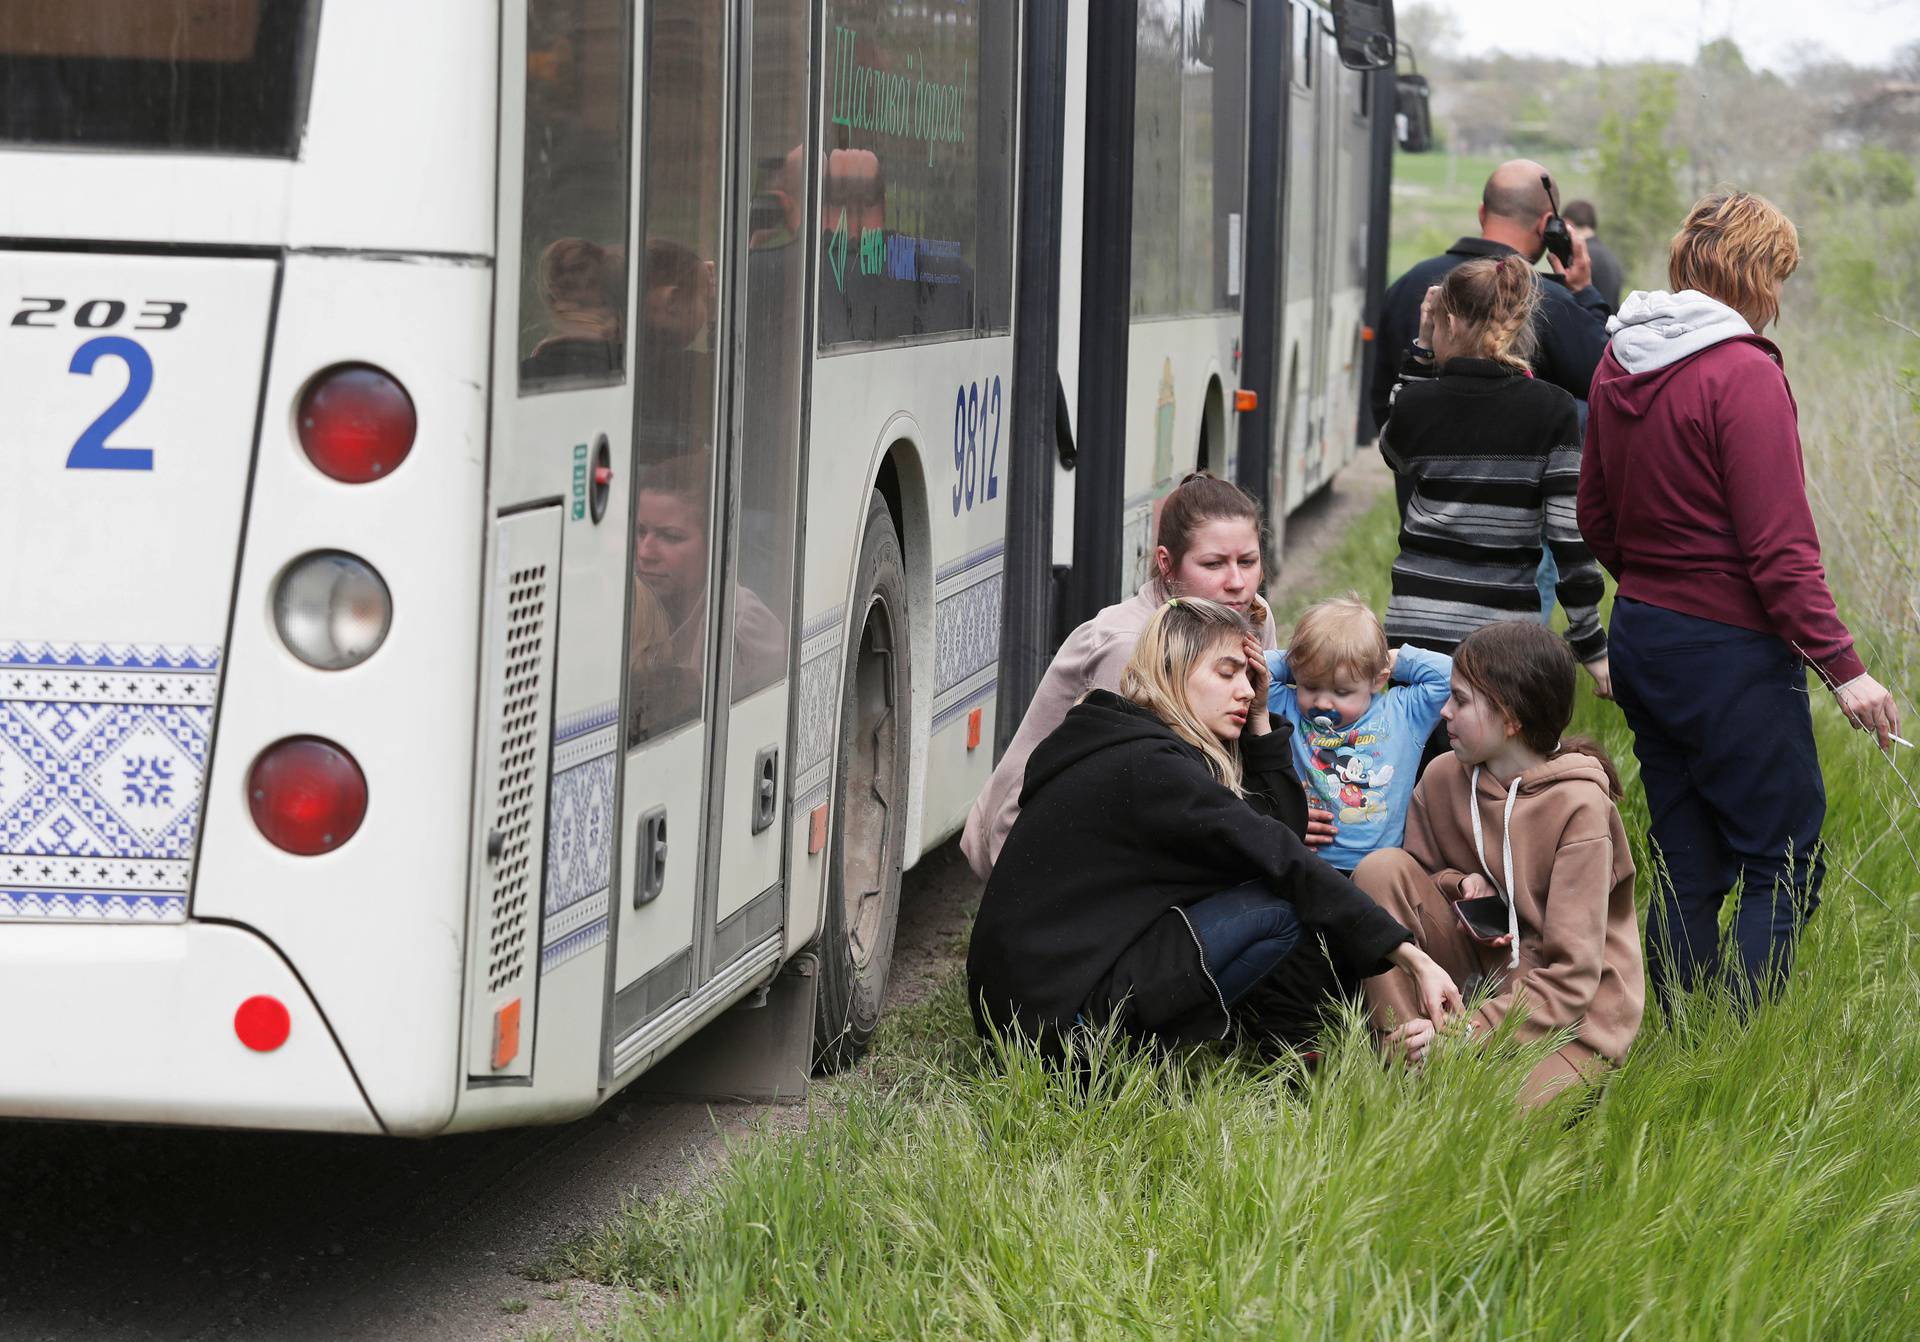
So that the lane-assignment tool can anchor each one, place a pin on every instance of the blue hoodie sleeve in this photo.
(1281, 697)
(1427, 678)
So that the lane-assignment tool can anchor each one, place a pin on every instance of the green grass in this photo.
(1734, 1181)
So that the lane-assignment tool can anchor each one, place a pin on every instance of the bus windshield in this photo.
(196, 76)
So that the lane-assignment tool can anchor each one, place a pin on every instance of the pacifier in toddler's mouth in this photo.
(1320, 722)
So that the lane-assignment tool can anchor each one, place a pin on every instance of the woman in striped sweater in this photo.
(1494, 458)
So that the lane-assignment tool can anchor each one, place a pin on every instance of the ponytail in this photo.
(1593, 750)
(1492, 302)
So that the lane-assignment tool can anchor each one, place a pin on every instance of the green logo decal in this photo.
(837, 251)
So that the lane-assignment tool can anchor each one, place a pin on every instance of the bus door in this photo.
(1300, 333)
(558, 552)
(719, 353)
(1329, 248)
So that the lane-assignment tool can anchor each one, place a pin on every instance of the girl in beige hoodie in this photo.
(1517, 813)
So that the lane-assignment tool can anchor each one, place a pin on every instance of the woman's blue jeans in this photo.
(1722, 728)
(1244, 932)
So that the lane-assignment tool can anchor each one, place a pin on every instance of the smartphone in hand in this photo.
(1484, 918)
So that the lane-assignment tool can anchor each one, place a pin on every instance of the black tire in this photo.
(868, 846)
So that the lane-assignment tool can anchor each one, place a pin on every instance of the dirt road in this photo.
(121, 1233)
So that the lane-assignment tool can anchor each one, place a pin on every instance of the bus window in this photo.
(573, 229)
(1157, 96)
(917, 170)
(1213, 96)
(1302, 170)
(212, 76)
(674, 365)
(1189, 147)
(775, 343)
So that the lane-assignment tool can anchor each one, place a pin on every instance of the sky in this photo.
(1776, 34)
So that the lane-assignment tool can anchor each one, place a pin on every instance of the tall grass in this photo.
(1734, 1180)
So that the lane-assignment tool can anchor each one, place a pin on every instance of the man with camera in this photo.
(1517, 214)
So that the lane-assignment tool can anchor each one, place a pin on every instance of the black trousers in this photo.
(1723, 730)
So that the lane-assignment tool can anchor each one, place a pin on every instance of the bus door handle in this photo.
(766, 787)
(653, 857)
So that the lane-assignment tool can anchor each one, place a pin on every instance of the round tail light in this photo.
(307, 795)
(356, 422)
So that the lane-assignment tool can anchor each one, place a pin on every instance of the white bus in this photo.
(1254, 221)
(505, 509)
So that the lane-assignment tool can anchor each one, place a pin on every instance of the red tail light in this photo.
(356, 422)
(307, 795)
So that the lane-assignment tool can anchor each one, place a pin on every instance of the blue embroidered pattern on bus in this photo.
(967, 633)
(580, 833)
(103, 752)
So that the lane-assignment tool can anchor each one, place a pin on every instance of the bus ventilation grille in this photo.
(510, 910)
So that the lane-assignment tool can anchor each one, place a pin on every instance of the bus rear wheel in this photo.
(869, 803)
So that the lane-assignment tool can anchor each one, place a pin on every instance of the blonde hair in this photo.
(1181, 633)
(1736, 247)
(1492, 302)
(1339, 634)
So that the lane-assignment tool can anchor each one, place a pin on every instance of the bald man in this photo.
(1571, 324)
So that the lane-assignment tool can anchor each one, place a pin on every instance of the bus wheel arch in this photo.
(1210, 454)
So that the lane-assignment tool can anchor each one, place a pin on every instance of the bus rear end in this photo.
(245, 297)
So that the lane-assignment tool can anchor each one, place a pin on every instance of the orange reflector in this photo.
(1366, 335)
(506, 1034)
(817, 829)
(1245, 401)
(973, 730)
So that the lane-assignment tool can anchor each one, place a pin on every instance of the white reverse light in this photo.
(332, 609)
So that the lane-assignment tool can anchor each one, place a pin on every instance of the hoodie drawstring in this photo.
(1506, 855)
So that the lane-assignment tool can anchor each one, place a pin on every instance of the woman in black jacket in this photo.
(1155, 875)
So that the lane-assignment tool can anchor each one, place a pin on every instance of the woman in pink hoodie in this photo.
(1693, 495)
(1209, 546)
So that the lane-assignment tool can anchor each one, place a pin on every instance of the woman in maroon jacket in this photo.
(1693, 494)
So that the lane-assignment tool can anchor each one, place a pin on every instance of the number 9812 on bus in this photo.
(976, 455)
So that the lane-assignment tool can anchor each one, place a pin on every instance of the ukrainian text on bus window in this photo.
(916, 174)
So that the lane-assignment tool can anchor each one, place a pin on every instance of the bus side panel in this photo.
(374, 928)
(936, 406)
(1172, 366)
(427, 69)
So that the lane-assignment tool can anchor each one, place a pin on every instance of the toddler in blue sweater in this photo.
(1360, 716)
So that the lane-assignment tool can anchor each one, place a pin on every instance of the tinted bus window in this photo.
(1156, 159)
(917, 169)
(573, 209)
(1189, 150)
(1213, 112)
(222, 76)
(776, 351)
(675, 371)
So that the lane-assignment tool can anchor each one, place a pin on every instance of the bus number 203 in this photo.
(976, 455)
